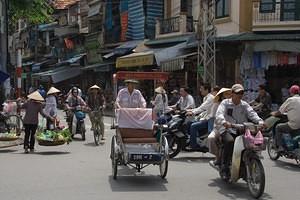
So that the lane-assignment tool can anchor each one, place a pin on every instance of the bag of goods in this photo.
(8, 136)
(53, 138)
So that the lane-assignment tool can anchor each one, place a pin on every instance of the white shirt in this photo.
(292, 107)
(186, 102)
(133, 100)
(208, 101)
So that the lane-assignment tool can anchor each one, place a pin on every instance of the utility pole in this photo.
(206, 42)
(19, 60)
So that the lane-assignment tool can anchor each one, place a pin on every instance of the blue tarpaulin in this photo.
(3, 76)
(154, 11)
(136, 20)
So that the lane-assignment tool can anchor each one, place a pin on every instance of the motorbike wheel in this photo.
(175, 145)
(256, 178)
(82, 130)
(273, 154)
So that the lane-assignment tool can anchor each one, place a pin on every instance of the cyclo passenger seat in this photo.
(135, 125)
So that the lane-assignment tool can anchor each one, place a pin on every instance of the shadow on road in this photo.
(292, 166)
(7, 150)
(51, 153)
(92, 144)
(190, 159)
(128, 180)
(235, 191)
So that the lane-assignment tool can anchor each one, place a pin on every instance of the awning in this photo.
(278, 45)
(47, 27)
(136, 59)
(94, 9)
(169, 53)
(99, 67)
(170, 40)
(66, 30)
(175, 64)
(124, 48)
(58, 74)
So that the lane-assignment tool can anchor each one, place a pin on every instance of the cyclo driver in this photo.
(233, 111)
(72, 101)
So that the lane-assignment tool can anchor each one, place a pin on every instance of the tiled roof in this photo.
(63, 4)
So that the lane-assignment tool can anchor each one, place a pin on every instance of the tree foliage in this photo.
(34, 11)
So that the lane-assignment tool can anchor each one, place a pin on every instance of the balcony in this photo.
(278, 16)
(174, 26)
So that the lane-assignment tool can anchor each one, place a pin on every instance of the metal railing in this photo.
(277, 13)
(169, 25)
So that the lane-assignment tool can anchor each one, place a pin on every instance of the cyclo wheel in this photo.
(163, 167)
(273, 154)
(113, 157)
(256, 178)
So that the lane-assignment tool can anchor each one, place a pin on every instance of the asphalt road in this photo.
(82, 171)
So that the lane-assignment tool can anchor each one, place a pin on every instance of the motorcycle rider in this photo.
(130, 97)
(262, 104)
(96, 102)
(197, 128)
(233, 111)
(186, 100)
(72, 101)
(292, 109)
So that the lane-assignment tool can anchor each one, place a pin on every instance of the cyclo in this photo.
(138, 141)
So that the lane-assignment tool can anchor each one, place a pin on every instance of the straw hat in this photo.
(131, 81)
(223, 90)
(95, 87)
(53, 90)
(35, 96)
(160, 90)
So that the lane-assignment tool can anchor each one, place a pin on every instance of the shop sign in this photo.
(134, 61)
(24, 75)
(163, 76)
(200, 70)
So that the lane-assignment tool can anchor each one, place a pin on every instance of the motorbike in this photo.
(290, 144)
(76, 121)
(178, 137)
(246, 158)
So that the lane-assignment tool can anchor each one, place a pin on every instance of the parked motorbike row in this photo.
(246, 159)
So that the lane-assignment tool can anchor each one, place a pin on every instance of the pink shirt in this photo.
(125, 100)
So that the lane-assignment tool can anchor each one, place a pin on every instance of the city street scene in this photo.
(164, 99)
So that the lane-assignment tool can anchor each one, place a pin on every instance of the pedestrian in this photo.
(160, 102)
(33, 106)
(51, 105)
(42, 91)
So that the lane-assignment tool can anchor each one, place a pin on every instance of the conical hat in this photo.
(95, 87)
(35, 96)
(222, 91)
(160, 90)
(53, 90)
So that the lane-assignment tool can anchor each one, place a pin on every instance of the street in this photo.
(82, 170)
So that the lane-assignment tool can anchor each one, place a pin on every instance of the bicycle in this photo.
(14, 123)
(97, 118)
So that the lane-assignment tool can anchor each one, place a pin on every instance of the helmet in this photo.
(74, 89)
(294, 89)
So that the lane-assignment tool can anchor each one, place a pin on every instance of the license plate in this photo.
(144, 157)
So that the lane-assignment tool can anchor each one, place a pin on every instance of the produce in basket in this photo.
(8, 136)
(54, 136)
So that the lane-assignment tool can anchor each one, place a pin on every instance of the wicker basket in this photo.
(51, 143)
(7, 139)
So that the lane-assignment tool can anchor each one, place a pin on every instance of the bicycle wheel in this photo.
(97, 135)
(15, 123)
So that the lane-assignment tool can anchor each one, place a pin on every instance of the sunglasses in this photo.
(239, 93)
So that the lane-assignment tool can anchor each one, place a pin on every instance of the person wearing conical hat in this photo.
(160, 102)
(130, 97)
(33, 106)
(96, 102)
(51, 104)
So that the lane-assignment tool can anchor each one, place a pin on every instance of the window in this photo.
(267, 6)
(222, 8)
(290, 10)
